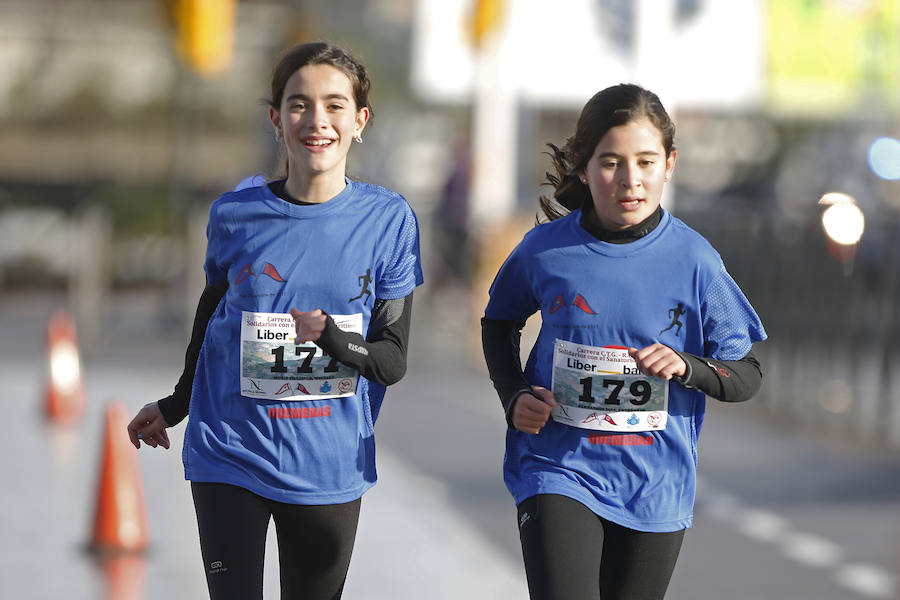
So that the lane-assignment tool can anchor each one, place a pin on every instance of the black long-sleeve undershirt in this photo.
(174, 407)
(725, 380)
(380, 357)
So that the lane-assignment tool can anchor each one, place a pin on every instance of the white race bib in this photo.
(274, 368)
(601, 388)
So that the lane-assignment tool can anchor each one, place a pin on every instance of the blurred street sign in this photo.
(205, 38)
(561, 53)
(829, 56)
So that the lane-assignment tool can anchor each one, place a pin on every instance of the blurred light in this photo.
(884, 158)
(836, 396)
(843, 221)
(65, 366)
(836, 198)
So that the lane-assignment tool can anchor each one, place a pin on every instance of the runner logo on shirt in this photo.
(674, 314)
(364, 281)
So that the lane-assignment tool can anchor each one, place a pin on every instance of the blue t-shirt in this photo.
(600, 294)
(339, 256)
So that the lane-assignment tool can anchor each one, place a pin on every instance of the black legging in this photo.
(314, 543)
(572, 553)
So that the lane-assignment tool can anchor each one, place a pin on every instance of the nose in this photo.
(317, 118)
(629, 176)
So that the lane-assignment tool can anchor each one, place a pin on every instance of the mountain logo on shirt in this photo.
(557, 304)
(269, 270)
(579, 302)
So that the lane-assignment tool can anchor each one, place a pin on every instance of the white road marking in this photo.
(868, 580)
(761, 525)
(810, 550)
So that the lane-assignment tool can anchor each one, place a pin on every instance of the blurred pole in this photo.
(90, 281)
(493, 166)
(204, 49)
(653, 39)
(494, 110)
(181, 135)
(888, 342)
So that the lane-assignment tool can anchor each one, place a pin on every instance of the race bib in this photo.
(274, 368)
(601, 388)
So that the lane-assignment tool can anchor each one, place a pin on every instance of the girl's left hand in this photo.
(309, 325)
(149, 425)
(658, 360)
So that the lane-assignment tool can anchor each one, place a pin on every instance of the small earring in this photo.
(583, 181)
(277, 136)
(357, 138)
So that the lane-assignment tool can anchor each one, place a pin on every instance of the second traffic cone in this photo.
(120, 519)
(64, 396)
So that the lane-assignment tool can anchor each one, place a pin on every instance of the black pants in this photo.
(314, 543)
(571, 553)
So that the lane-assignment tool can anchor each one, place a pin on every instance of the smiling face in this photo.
(627, 172)
(318, 120)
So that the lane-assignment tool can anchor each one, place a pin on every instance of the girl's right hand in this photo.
(532, 410)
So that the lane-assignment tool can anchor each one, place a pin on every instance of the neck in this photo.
(593, 226)
(315, 189)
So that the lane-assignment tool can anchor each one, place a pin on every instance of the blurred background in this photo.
(122, 120)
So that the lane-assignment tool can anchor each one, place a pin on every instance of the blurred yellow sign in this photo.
(484, 19)
(205, 34)
(827, 56)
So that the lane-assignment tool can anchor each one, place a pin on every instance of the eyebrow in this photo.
(327, 97)
(641, 153)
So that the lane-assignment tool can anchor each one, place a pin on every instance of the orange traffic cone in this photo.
(120, 520)
(64, 397)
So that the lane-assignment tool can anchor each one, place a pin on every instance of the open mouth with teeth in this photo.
(630, 203)
(317, 143)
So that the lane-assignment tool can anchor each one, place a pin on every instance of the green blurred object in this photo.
(827, 57)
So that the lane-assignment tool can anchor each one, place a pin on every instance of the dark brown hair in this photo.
(320, 53)
(610, 107)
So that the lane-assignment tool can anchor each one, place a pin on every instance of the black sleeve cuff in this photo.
(173, 410)
(725, 380)
(381, 357)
